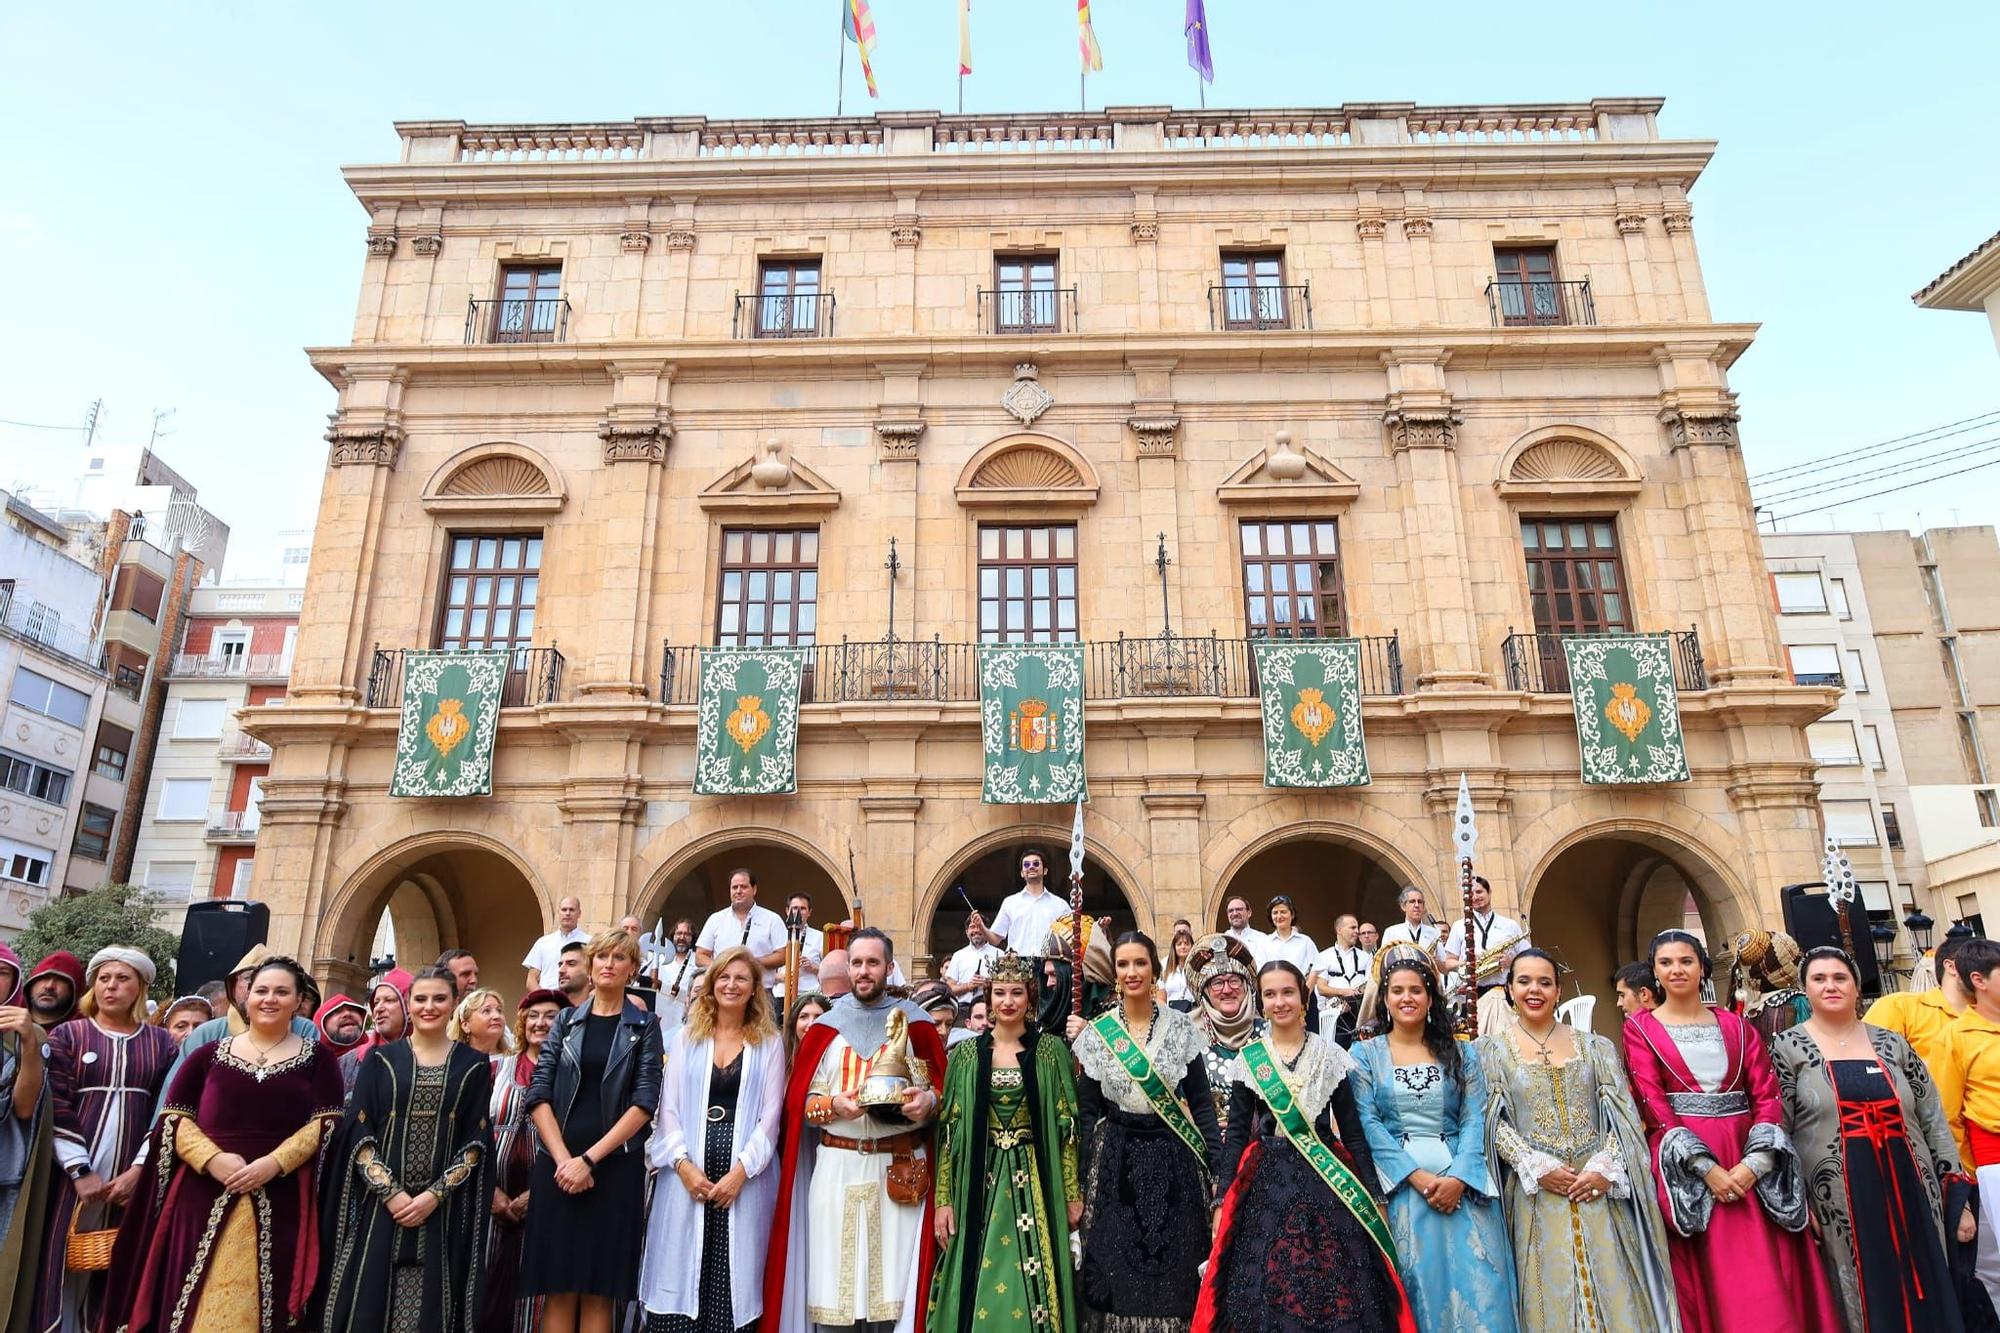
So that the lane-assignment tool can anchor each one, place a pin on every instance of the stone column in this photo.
(1678, 218)
(1146, 237)
(1417, 235)
(1173, 804)
(1631, 224)
(1371, 227)
(1422, 432)
(906, 232)
(1155, 424)
(636, 430)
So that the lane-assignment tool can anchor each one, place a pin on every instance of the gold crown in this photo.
(1012, 968)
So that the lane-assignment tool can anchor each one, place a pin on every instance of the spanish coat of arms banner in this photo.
(1310, 696)
(746, 740)
(1628, 714)
(451, 714)
(1031, 723)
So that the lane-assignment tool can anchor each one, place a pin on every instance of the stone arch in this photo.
(1352, 820)
(1672, 829)
(1377, 845)
(499, 475)
(938, 920)
(1027, 466)
(1566, 460)
(698, 848)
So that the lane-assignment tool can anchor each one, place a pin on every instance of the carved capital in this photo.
(427, 245)
(1631, 224)
(636, 242)
(906, 232)
(1146, 230)
(1422, 428)
(1415, 227)
(896, 441)
(382, 245)
(635, 439)
(1159, 437)
(1701, 425)
(680, 238)
(1371, 229)
(363, 444)
(1678, 219)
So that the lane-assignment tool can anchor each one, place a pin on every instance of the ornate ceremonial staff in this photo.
(1841, 889)
(1465, 834)
(1076, 910)
(974, 914)
(795, 943)
(854, 885)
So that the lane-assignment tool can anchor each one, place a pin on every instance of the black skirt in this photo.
(1146, 1226)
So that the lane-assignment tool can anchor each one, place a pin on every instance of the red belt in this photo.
(1985, 1144)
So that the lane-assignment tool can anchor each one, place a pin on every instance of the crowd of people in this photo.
(1064, 1130)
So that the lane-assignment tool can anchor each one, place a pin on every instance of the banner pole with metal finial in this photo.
(1076, 910)
(1841, 890)
(1465, 834)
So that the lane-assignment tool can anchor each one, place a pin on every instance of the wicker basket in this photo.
(87, 1251)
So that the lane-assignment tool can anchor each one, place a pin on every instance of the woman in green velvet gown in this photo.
(1008, 1189)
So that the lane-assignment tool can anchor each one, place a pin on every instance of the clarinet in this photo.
(680, 977)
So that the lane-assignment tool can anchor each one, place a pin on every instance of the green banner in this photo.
(1031, 723)
(746, 739)
(1628, 715)
(1310, 690)
(451, 713)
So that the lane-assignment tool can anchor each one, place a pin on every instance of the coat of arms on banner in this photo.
(1310, 696)
(1031, 723)
(1628, 716)
(451, 715)
(747, 724)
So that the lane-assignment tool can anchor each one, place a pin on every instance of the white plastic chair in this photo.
(1578, 1012)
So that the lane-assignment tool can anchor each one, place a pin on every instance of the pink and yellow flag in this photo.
(1086, 40)
(965, 36)
(859, 26)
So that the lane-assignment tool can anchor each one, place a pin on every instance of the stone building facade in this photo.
(1399, 343)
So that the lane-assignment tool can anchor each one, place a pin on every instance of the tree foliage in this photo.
(111, 914)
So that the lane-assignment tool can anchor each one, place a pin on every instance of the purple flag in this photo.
(1200, 58)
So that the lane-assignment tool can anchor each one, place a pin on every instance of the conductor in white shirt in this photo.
(1413, 928)
(743, 923)
(966, 970)
(1027, 916)
(543, 956)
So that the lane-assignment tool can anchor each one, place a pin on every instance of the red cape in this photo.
(929, 1048)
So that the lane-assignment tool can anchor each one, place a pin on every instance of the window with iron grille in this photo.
(1027, 584)
(530, 305)
(1253, 290)
(1576, 580)
(788, 298)
(1025, 294)
(492, 582)
(33, 779)
(1291, 579)
(93, 832)
(1529, 291)
(769, 591)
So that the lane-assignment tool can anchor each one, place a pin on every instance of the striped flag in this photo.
(1086, 40)
(965, 36)
(1200, 58)
(859, 27)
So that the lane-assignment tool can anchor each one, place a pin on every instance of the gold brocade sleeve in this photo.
(195, 1148)
(375, 1176)
(300, 1148)
(456, 1174)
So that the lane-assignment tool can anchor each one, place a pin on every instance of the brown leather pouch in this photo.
(909, 1180)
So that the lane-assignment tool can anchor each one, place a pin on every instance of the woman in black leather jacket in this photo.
(594, 1092)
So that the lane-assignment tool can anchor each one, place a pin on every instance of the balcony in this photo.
(1236, 308)
(24, 619)
(1536, 665)
(1044, 310)
(1541, 304)
(932, 671)
(232, 666)
(534, 677)
(238, 748)
(786, 315)
(520, 320)
(232, 826)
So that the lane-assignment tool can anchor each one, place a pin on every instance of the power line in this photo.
(39, 425)
(1928, 435)
(1889, 490)
(1863, 478)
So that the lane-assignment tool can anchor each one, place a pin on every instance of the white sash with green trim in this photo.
(1140, 1066)
(1263, 1065)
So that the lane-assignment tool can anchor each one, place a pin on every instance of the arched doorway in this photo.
(1323, 875)
(1598, 901)
(694, 891)
(991, 875)
(437, 898)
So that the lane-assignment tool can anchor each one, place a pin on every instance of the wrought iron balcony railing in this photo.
(1041, 310)
(241, 665)
(517, 320)
(783, 315)
(932, 671)
(534, 676)
(1260, 307)
(1536, 665)
(1533, 304)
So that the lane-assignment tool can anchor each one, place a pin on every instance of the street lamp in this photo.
(1920, 927)
(1882, 934)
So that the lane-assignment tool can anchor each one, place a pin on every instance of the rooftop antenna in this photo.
(160, 415)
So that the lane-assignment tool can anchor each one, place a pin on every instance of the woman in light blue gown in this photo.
(1422, 1099)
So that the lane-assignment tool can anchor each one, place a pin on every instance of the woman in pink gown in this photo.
(1729, 1181)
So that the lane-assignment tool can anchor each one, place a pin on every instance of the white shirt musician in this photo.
(1342, 970)
(1027, 917)
(1237, 911)
(1412, 929)
(1492, 933)
(1293, 946)
(966, 970)
(743, 924)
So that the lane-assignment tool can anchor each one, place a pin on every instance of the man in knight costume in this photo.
(851, 1241)
(1224, 975)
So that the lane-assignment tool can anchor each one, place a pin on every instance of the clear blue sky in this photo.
(173, 215)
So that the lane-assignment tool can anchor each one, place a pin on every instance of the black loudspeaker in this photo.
(1810, 919)
(219, 931)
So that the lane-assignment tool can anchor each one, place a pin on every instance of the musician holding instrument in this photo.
(1494, 939)
(812, 948)
(967, 970)
(1416, 927)
(743, 924)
